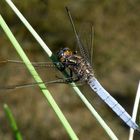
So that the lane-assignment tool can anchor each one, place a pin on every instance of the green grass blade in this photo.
(38, 79)
(12, 122)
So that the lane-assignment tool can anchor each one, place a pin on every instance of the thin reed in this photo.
(12, 122)
(135, 111)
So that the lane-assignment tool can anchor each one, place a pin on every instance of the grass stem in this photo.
(12, 122)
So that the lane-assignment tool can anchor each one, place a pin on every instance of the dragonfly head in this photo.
(63, 54)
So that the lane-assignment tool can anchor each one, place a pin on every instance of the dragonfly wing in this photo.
(87, 35)
(83, 51)
(35, 64)
(112, 103)
(26, 85)
(91, 44)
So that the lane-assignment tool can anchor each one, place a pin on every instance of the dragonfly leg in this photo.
(73, 78)
(76, 79)
(70, 78)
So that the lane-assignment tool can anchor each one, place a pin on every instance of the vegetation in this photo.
(116, 64)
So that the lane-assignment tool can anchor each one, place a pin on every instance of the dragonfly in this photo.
(80, 68)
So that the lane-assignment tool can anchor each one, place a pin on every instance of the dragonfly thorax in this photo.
(79, 68)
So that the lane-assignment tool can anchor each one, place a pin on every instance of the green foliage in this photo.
(12, 122)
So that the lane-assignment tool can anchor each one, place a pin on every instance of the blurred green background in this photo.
(116, 64)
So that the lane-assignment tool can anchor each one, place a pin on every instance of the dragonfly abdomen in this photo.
(112, 103)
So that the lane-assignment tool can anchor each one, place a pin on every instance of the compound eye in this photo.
(68, 53)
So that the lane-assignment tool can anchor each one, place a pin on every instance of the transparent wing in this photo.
(112, 103)
(26, 85)
(84, 39)
(87, 34)
(83, 51)
(35, 64)
(91, 44)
